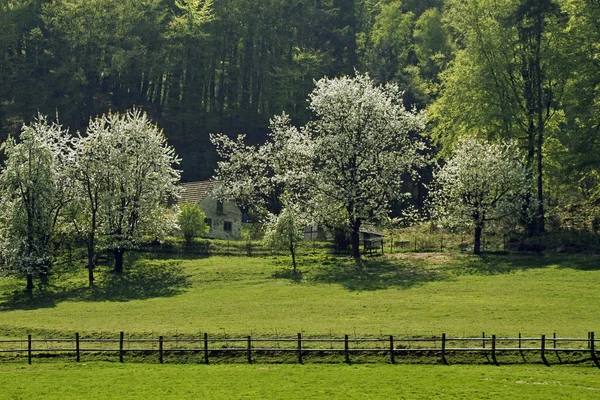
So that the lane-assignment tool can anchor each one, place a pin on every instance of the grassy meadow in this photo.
(146, 381)
(401, 294)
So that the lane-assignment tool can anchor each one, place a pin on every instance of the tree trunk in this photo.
(118, 253)
(92, 245)
(477, 243)
(355, 240)
(44, 271)
(541, 228)
(29, 286)
(91, 263)
(293, 251)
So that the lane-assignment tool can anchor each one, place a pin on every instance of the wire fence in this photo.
(233, 248)
(299, 347)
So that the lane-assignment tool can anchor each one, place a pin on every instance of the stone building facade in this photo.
(223, 218)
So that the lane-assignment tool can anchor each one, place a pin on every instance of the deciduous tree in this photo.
(192, 222)
(365, 141)
(139, 179)
(481, 182)
(34, 189)
(286, 229)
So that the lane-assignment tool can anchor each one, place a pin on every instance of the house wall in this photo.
(231, 213)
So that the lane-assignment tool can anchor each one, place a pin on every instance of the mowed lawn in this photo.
(150, 381)
(401, 295)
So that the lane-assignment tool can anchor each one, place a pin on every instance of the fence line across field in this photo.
(213, 347)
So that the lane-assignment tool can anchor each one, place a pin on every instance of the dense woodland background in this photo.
(522, 69)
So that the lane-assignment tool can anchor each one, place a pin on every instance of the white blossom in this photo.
(364, 142)
(34, 190)
(126, 169)
(481, 182)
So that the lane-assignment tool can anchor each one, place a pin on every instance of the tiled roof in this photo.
(195, 192)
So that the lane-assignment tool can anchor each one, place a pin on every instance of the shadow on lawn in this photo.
(504, 263)
(286, 273)
(375, 274)
(142, 280)
(410, 270)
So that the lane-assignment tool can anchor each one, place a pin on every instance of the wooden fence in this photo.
(300, 347)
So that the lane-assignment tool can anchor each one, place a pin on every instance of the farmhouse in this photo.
(223, 218)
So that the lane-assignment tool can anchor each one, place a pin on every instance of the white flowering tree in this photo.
(126, 169)
(344, 166)
(364, 142)
(286, 230)
(255, 177)
(92, 175)
(34, 189)
(480, 183)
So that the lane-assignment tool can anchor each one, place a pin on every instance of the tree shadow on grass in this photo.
(375, 274)
(504, 263)
(290, 274)
(143, 280)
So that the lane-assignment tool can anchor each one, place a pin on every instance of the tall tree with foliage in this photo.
(481, 182)
(34, 189)
(365, 141)
(575, 174)
(255, 177)
(139, 179)
(505, 82)
(92, 176)
(286, 230)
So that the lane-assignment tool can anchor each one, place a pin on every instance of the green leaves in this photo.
(191, 221)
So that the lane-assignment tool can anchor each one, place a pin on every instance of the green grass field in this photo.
(143, 381)
(406, 294)
(403, 294)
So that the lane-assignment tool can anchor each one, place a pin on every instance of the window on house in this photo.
(227, 226)
(208, 222)
(219, 207)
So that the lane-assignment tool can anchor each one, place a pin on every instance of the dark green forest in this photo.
(527, 70)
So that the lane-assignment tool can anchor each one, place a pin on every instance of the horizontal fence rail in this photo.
(208, 347)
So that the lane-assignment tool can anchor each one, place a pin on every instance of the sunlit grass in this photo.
(403, 294)
(146, 381)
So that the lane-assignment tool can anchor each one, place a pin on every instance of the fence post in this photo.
(249, 350)
(160, 349)
(346, 352)
(494, 349)
(121, 347)
(77, 346)
(444, 348)
(205, 348)
(543, 349)
(300, 343)
(593, 349)
(29, 349)
(483, 341)
(392, 355)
